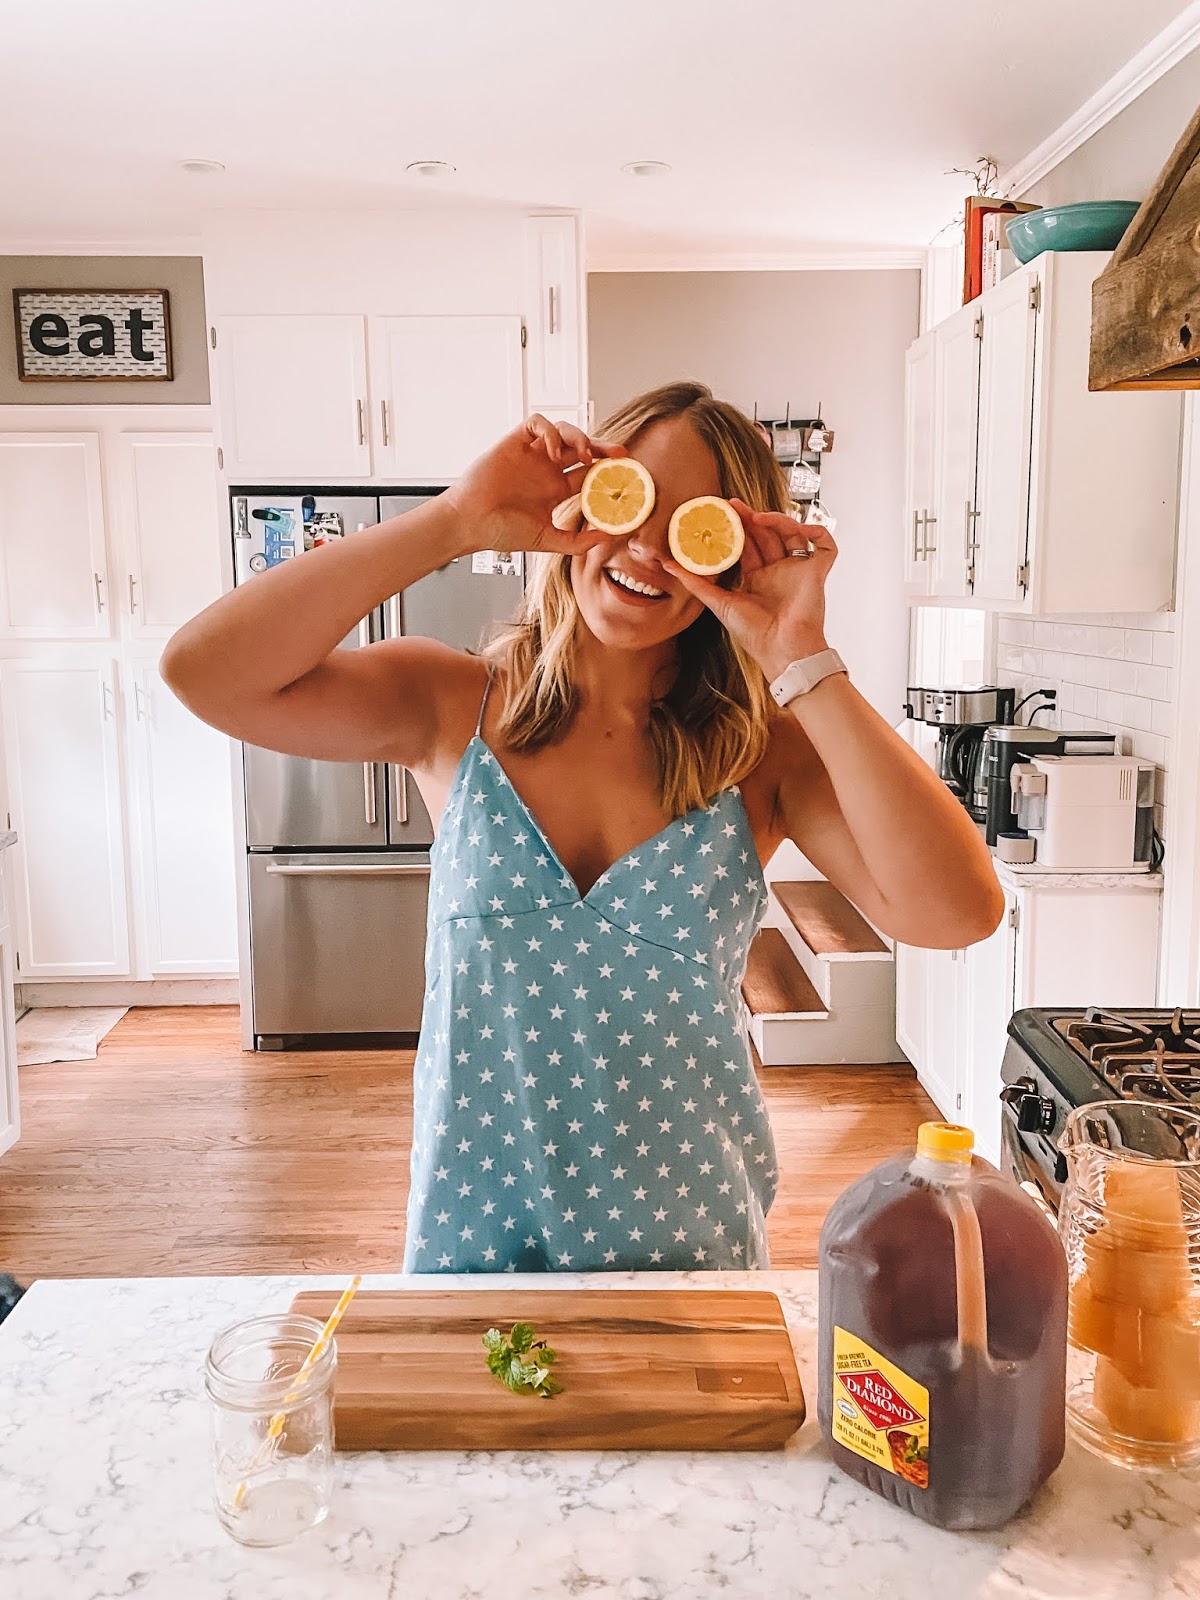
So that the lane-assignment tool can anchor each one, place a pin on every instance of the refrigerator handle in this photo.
(369, 793)
(395, 622)
(400, 775)
(397, 869)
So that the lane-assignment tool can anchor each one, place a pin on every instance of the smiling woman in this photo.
(609, 779)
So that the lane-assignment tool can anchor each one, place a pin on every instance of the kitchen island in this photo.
(105, 1463)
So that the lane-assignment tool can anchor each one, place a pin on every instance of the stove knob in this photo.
(1035, 1114)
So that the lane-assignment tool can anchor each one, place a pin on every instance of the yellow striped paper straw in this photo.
(276, 1425)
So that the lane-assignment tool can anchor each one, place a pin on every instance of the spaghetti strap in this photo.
(487, 689)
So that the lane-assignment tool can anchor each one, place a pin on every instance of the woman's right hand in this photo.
(505, 499)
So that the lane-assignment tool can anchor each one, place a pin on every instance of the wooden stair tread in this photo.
(826, 921)
(775, 983)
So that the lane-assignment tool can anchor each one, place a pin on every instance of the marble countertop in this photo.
(1029, 875)
(104, 1489)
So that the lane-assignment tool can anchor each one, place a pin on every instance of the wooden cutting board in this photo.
(673, 1369)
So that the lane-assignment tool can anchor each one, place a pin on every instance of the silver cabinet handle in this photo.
(401, 776)
(132, 593)
(369, 811)
(383, 414)
(916, 555)
(99, 582)
(391, 869)
(927, 523)
(395, 620)
(139, 694)
(552, 295)
(106, 701)
(362, 432)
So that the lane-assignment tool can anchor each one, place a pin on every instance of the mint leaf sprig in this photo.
(521, 1362)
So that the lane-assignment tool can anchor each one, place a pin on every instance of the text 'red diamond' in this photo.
(882, 1406)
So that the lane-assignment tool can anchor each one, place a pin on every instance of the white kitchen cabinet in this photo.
(293, 398)
(1009, 321)
(920, 371)
(1075, 493)
(168, 516)
(62, 753)
(445, 390)
(53, 571)
(1065, 942)
(555, 323)
(950, 542)
(183, 843)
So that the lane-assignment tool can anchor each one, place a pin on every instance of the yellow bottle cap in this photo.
(945, 1141)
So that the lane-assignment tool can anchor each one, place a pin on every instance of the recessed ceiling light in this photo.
(430, 169)
(646, 169)
(195, 164)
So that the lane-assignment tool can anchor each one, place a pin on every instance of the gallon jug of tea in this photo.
(943, 1335)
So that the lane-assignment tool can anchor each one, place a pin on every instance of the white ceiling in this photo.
(792, 128)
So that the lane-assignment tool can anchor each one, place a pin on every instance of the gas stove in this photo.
(1057, 1060)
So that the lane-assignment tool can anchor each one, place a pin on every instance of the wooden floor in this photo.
(175, 1153)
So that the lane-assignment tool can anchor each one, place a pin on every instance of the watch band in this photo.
(800, 677)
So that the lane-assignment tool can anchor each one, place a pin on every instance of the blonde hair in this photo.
(711, 727)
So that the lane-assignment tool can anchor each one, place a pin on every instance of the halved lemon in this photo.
(617, 495)
(706, 536)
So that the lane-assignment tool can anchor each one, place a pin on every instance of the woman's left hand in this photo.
(777, 610)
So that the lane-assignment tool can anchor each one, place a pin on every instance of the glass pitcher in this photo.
(1130, 1225)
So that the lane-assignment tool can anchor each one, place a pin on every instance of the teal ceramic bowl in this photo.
(1090, 225)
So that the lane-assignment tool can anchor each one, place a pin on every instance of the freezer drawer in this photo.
(337, 942)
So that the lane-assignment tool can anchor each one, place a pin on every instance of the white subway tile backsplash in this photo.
(1123, 676)
(1096, 672)
(1083, 702)
(1154, 683)
(1162, 718)
(1139, 645)
(1164, 649)
(1149, 747)
(1110, 642)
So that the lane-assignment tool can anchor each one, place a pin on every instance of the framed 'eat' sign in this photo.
(117, 335)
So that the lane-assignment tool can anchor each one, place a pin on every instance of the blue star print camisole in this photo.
(584, 1094)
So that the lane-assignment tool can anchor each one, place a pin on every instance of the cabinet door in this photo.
(169, 528)
(293, 398)
(950, 540)
(10, 1105)
(1006, 400)
(920, 369)
(185, 843)
(911, 1002)
(53, 577)
(989, 976)
(941, 1073)
(552, 279)
(448, 388)
(62, 751)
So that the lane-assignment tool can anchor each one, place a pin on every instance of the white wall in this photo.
(830, 339)
(1122, 160)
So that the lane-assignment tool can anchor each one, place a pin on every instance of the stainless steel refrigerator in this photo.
(338, 853)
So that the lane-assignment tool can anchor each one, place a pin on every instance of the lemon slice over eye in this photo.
(706, 536)
(617, 495)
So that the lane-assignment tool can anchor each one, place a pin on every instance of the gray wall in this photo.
(183, 279)
(1122, 160)
(833, 339)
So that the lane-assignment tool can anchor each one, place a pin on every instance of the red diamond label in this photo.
(878, 1401)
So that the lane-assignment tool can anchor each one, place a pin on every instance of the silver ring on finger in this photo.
(804, 555)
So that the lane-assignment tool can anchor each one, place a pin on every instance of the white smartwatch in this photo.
(800, 677)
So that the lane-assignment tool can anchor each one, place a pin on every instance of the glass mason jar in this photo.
(271, 1487)
(1130, 1225)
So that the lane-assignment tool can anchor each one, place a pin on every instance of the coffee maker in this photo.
(962, 717)
(1003, 748)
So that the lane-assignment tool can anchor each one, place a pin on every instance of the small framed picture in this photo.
(93, 335)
